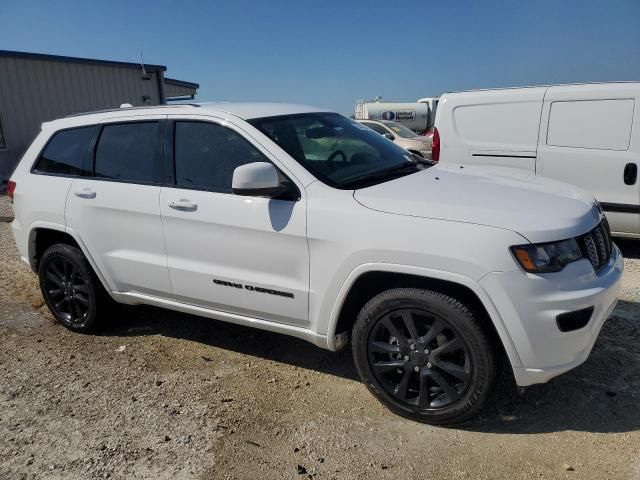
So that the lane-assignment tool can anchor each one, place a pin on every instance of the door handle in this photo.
(630, 173)
(85, 193)
(183, 205)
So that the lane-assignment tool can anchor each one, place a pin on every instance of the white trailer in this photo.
(418, 116)
(433, 106)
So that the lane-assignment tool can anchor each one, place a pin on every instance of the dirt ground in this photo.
(163, 395)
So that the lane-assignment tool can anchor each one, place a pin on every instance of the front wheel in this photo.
(423, 355)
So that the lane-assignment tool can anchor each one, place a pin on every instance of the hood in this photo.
(538, 208)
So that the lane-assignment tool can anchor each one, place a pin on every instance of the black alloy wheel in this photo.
(424, 355)
(419, 359)
(67, 290)
(71, 289)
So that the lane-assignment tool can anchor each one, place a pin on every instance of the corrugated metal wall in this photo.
(178, 90)
(33, 91)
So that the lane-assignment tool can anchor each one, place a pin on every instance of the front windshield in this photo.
(400, 130)
(337, 150)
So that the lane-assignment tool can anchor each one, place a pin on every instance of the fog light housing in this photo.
(570, 321)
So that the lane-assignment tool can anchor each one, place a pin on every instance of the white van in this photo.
(587, 135)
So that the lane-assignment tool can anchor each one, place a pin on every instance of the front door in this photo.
(237, 254)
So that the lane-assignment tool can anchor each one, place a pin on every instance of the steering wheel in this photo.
(332, 158)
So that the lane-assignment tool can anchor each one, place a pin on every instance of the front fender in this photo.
(426, 273)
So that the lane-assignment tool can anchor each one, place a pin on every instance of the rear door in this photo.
(238, 254)
(115, 209)
(587, 139)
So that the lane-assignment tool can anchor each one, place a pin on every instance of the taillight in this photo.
(435, 146)
(11, 188)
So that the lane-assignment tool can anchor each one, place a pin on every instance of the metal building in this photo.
(36, 88)
(179, 89)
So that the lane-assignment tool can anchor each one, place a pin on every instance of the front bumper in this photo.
(529, 305)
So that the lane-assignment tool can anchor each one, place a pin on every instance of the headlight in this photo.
(547, 257)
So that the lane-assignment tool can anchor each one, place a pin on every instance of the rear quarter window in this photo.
(596, 124)
(66, 152)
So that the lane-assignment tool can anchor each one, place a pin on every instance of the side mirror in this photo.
(257, 179)
(389, 136)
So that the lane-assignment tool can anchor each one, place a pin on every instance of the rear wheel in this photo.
(423, 355)
(71, 289)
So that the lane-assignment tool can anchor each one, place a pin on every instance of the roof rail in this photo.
(121, 108)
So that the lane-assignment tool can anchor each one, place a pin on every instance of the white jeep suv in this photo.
(304, 222)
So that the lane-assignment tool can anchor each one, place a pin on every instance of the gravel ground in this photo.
(5, 207)
(168, 396)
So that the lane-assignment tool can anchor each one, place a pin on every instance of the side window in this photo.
(128, 152)
(3, 143)
(66, 151)
(598, 124)
(377, 128)
(206, 154)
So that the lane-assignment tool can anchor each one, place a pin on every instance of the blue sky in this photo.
(330, 53)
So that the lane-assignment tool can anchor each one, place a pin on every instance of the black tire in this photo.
(72, 291)
(446, 378)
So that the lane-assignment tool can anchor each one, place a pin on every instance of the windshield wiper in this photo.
(423, 161)
(386, 174)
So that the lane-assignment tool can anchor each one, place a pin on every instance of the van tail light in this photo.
(11, 189)
(435, 146)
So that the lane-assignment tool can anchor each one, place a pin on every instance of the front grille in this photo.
(596, 245)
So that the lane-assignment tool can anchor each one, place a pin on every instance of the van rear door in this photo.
(587, 139)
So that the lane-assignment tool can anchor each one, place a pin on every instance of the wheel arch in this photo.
(368, 280)
(42, 236)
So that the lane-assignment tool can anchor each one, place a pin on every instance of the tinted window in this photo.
(206, 155)
(129, 152)
(66, 151)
